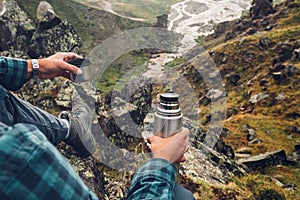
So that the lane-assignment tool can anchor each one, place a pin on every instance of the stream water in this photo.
(194, 18)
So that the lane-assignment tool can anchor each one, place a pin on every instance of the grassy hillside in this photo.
(147, 10)
(93, 25)
(272, 119)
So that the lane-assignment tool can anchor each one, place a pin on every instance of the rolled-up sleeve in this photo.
(12, 73)
(155, 180)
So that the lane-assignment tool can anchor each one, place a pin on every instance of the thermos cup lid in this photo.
(169, 97)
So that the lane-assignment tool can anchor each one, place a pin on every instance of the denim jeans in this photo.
(13, 110)
(180, 193)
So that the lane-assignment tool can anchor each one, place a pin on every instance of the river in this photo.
(194, 18)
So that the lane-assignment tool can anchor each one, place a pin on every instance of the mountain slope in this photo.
(92, 24)
(258, 58)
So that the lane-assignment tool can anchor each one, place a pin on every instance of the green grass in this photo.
(148, 10)
(175, 62)
(275, 2)
(121, 71)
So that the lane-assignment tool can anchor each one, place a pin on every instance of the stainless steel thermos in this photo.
(168, 116)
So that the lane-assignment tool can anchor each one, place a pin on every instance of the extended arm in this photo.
(15, 72)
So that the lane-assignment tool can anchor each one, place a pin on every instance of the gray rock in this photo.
(251, 135)
(45, 12)
(16, 28)
(122, 115)
(215, 94)
(52, 35)
(245, 128)
(209, 166)
(244, 150)
(60, 38)
(266, 160)
(233, 78)
(280, 97)
(254, 141)
(261, 8)
(285, 52)
(64, 96)
(258, 97)
(265, 42)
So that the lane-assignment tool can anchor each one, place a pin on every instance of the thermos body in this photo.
(168, 117)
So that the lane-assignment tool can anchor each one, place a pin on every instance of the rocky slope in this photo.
(258, 58)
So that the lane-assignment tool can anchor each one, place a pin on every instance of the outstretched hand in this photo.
(172, 148)
(56, 65)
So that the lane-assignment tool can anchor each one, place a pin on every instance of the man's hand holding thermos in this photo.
(171, 140)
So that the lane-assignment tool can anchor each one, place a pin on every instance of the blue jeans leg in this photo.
(13, 110)
(181, 193)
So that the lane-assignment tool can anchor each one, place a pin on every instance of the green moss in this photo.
(175, 62)
(76, 163)
(88, 174)
(121, 71)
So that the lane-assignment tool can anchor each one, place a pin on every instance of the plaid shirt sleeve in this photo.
(154, 180)
(32, 168)
(12, 73)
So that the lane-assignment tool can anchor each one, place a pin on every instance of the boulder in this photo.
(265, 42)
(261, 8)
(16, 28)
(233, 79)
(162, 21)
(222, 27)
(52, 34)
(285, 52)
(210, 166)
(258, 97)
(46, 16)
(122, 115)
(282, 74)
(266, 160)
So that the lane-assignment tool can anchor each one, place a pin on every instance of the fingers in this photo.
(66, 74)
(172, 148)
(69, 56)
(71, 68)
(182, 159)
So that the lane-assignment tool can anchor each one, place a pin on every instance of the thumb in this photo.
(152, 138)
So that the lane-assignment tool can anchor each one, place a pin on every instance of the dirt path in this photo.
(108, 6)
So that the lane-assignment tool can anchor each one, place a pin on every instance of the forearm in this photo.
(13, 73)
(155, 180)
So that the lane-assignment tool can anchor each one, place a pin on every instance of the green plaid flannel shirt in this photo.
(154, 180)
(32, 168)
(12, 73)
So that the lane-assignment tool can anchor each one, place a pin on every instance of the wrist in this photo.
(33, 69)
(29, 70)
